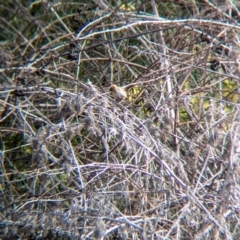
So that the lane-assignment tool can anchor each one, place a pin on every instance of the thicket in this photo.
(76, 163)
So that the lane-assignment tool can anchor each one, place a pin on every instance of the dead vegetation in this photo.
(76, 163)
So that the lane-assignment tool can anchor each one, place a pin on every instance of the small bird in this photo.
(118, 92)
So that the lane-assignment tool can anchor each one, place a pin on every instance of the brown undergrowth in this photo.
(76, 163)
